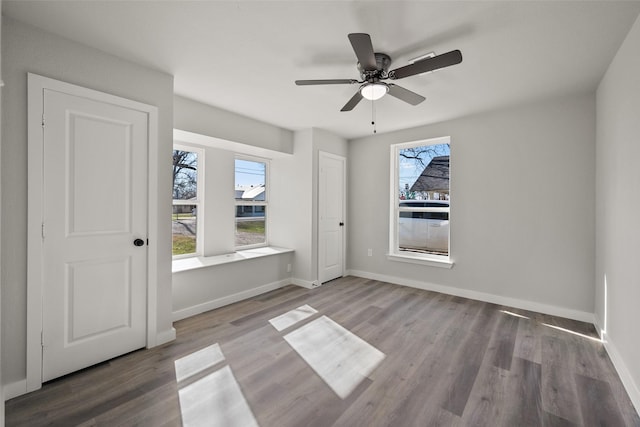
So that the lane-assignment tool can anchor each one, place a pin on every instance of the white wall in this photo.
(522, 220)
(222, 134)
(293, 176)
(298, 176)
(618, 211)
(292, 204)
(292, 221)
(26, 49)
(203, 289)
(205, 119)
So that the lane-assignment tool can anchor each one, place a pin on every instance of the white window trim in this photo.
(394, 254)
(198, 202)
(423, 259)
(264, 203)
(194, 263)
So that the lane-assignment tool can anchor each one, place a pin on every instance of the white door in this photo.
(95, 206)
(331, 202)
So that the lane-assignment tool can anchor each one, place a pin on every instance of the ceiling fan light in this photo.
(373, 91)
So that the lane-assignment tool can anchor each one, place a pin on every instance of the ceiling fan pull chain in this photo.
(373, 115)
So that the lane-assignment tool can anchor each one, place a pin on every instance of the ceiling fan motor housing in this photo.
(383, 61)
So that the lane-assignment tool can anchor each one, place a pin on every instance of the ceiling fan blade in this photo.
(326, 82)
(352, 102)
(430, 64)
(361, 43)
(405, 94)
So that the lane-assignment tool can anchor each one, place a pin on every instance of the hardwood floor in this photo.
(448, 361)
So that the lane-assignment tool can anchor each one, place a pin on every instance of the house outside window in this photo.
(419, 225)
(187, 198)
(251, 198)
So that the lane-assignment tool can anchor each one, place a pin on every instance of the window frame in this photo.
(395, 253)
(198, 202)
(264, 203)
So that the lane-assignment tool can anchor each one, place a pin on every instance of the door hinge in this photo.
(42, 338)
(43, 230)
(43, 120)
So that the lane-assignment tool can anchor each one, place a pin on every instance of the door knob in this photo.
(138, 242)
(341, 224)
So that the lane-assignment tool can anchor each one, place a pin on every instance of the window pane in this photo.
(424, 232)
(424, 173)
(250, 225)
(184, 223)
(250, 180)
(185, 175)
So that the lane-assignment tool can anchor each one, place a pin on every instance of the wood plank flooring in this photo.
(448, 361)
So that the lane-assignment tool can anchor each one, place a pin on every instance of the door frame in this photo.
(36, 85)
(321, 156)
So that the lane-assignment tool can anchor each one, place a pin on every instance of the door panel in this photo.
(95, 205)
(331, 216)
(97, 298)
(99, 193)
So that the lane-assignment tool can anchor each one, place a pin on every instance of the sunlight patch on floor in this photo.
(198, 361)
(215, 400)
(292, 317)
(339, 357)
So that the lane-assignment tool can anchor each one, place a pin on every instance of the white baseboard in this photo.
(304, 283)
(568, 313)
(15, 389)
(165, 336)
(618, 362)
(627, 380)
(229, 299)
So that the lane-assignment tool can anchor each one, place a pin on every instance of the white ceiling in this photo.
(243, 56)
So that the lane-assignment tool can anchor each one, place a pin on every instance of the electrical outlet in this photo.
(288, 268)
(369, 252)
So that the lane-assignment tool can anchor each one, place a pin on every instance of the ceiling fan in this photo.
(374, 68)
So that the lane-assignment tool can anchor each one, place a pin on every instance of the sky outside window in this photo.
(249, 173)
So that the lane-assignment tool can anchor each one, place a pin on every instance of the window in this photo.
(251, 202)
(186, 200)
(208, 219)
(420, 200)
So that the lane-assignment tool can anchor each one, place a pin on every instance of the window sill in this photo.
(424, 260)
(193, 263)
